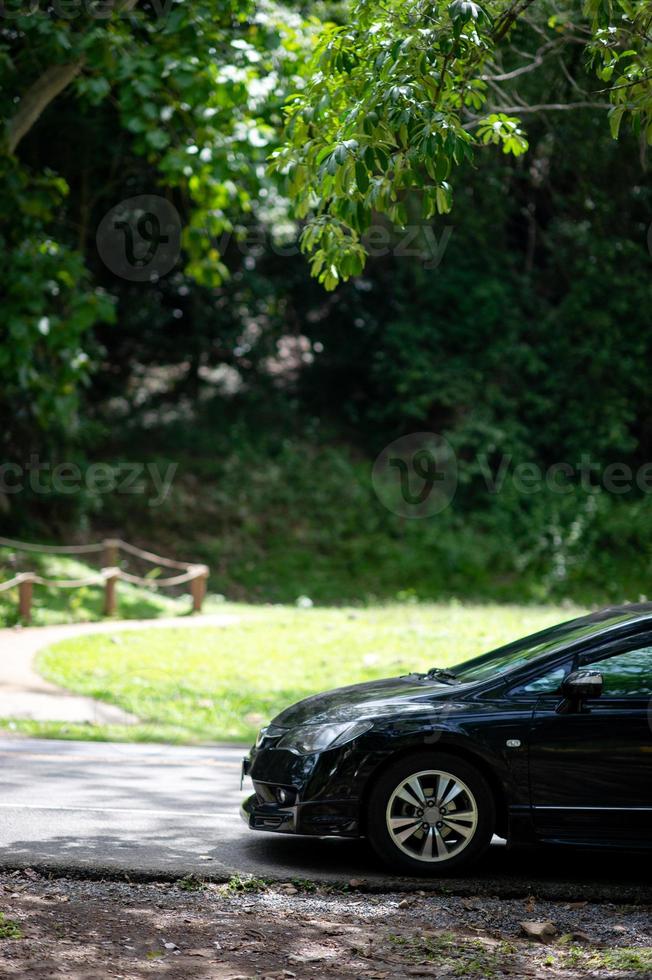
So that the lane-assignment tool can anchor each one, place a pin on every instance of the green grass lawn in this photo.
(206, 684)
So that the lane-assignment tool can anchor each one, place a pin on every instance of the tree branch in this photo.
(37, 98)
(532, 62)
(551, 107)
(509, 18)
(521, 110)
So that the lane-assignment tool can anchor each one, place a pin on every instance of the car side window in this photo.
(548, 683)
(626, 675)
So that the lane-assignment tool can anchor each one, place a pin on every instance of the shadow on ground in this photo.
(551, 873)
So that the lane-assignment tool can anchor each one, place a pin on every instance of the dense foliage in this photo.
(179, 100)
(499, 298)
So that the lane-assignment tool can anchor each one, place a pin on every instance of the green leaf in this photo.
(464, 10)
(361, 176)
(615, 119)
(157, 138)
(444, 198)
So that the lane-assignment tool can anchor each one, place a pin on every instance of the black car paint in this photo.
(559, 760)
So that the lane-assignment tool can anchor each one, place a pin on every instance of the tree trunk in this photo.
(46, 88)
(37, 98)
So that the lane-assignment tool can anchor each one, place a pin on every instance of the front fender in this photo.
(506, 773)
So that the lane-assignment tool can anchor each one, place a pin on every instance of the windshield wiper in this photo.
(437, 673)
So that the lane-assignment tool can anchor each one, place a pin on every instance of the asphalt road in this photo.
(169, 811)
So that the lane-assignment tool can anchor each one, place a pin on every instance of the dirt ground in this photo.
(245, 929)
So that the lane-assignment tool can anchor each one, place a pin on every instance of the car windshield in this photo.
(531, 648)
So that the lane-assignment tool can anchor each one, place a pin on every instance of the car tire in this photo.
(411, 814)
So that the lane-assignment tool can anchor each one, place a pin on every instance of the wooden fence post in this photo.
(109, 553)
(25, 593)
(198, 590)
(110, 599)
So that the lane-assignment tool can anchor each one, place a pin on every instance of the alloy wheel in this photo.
(432, 815)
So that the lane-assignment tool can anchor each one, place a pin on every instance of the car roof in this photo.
(612, 622)
(629, 618)
(607, 618)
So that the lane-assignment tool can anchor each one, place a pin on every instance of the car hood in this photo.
(412, 692)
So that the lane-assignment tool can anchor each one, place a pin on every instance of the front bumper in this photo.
(326, 818)
(268, 816)
(314, 803)
(318, 795)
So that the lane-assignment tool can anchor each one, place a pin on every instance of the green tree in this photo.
(398, 101)
(101, 101)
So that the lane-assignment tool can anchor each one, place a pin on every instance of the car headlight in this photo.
(270, 732)
(317, 738)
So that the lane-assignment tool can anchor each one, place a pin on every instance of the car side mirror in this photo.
(578, 685)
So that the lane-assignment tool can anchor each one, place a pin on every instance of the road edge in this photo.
(615, 893)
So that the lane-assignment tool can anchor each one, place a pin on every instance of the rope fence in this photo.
(49, 549)
(108, 576)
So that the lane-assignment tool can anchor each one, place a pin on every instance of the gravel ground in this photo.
(97, 929)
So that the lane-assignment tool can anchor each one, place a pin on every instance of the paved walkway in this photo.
(25, 694)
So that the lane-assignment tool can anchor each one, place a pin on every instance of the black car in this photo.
(548, 739)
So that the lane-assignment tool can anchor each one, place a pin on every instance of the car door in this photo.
(591, 766)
